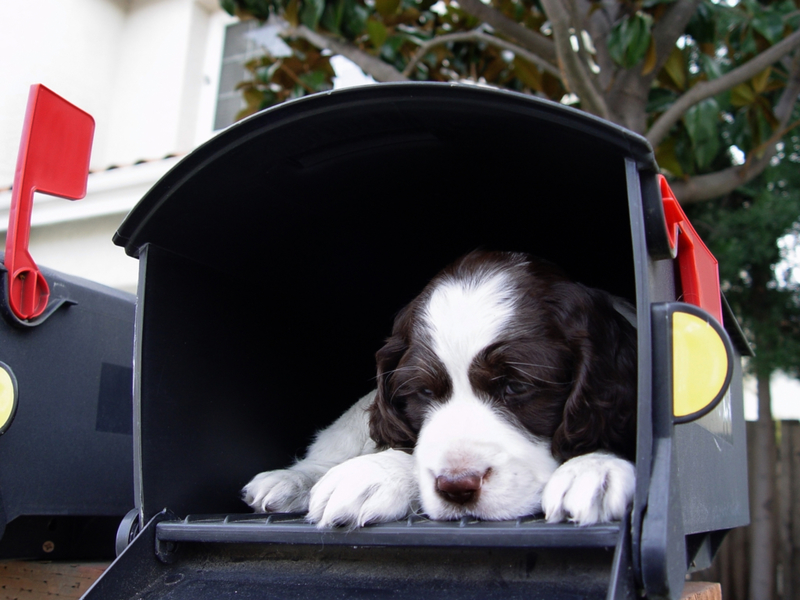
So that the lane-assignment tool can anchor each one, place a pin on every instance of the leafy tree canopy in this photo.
(760, 277)
(710, 83)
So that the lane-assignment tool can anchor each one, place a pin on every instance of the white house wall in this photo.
(158, 79)
(147, 71)
(72, 46)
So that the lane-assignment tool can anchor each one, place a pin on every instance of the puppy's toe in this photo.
(368, 489)
(278, 491)
(336, 500)
(553, 496)
(582, 502)
(588, 489)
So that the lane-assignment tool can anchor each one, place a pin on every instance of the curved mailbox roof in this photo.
(333, 125)
(348, 170)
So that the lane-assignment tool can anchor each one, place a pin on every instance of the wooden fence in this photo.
(731, 565)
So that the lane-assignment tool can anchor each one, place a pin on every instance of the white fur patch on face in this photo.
(466, 436)
(463, 317)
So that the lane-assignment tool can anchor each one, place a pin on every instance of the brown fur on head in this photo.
(563, 369)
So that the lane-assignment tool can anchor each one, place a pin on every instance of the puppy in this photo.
(505, 390)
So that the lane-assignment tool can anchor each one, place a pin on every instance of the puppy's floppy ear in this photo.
(600, 412)
(388, 425)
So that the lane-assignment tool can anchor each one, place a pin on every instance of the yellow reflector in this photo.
(699, 364)
(8, 398)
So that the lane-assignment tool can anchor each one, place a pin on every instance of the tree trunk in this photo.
(762, 498)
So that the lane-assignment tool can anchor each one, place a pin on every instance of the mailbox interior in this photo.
(275, 257)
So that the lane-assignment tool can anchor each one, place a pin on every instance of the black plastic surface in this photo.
(198, 568)
(66, 460)
(416, 531)
(60, 538)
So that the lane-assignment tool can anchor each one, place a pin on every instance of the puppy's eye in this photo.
(516, 388)
(426, 393)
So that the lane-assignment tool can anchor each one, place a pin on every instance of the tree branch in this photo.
(532, 41)
(371, 65)
(785, 105)
(599, 23)
(574, 72)
(713, 185)
(706, 89)
(578, 20)
(477, 35)
(669, 28)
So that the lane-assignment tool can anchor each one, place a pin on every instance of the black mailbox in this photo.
(273, 259)
(66, 451)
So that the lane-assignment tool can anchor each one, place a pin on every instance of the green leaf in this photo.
(667, 159)
(229, 6)
(291, 12)
(260, 9)
(660, 99)
(311, 13)
(377, 32)
(269, 99)
(676, 68)
(386, 8)
(527, 74)
(711, 66)
(760, 81)
(650, 58)
(354, 18)
(640, 38)
(391, 47)
(739, 133)
(269, 72)
(629, 39)
(316, 80)
(742, 95)
(252, 96)
(616, 43)
(770, 25)
(332, 16)
(702, 125)
(748, 44)
(702, 27)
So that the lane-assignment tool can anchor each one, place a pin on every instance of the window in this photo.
(237, 50)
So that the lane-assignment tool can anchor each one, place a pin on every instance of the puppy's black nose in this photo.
(458, 489)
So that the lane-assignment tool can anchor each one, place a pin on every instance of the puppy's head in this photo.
(499, 370)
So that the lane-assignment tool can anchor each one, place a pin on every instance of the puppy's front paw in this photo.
(278, 491)
(588, 489)
(373, 488)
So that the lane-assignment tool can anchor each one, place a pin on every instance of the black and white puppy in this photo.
(505, 390)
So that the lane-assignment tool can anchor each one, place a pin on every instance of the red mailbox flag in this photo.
(699, 269)
(53, 159)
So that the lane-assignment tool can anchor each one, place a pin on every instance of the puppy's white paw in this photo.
(373, 488)
(283, 490)
(588, 489)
